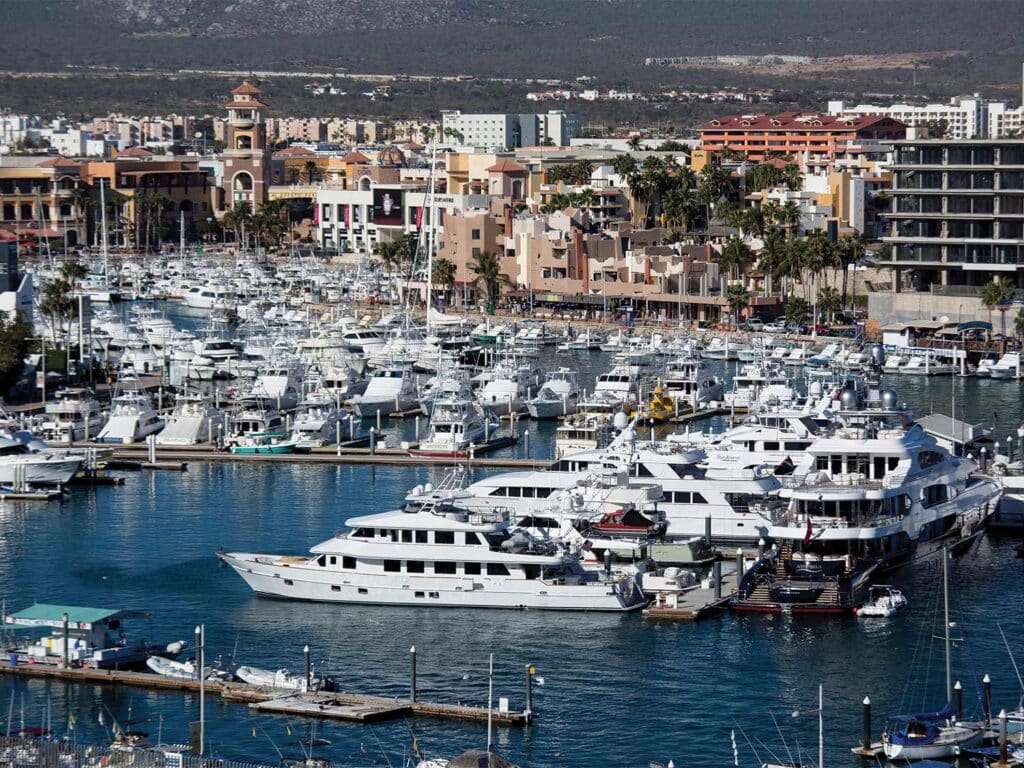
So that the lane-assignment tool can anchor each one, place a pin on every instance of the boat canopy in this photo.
(79, 617)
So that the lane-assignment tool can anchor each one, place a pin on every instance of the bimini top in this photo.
(46, 615)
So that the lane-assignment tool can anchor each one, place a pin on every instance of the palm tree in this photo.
(633, 143)
(772, 259)
(73, 271)
(239, 217)
(735, 256)
(443, 274)
(789, 217)
(56, 303)
(997, 294)
(737, 297)
(829, 301)
(489, 277)
(850, 252)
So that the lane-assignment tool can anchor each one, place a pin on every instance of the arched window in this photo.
(243, 142)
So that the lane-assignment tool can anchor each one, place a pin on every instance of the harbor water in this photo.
(619, 690)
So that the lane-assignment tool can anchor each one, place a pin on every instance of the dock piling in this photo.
(986, 698)
(412, 674)
(716, 571)
(309, 669)
(739, 568)
(865, 740)
(707, 530)
(378, 420)
(1002, 738)
(958, 700)
(526, 435)
(373, 439)
(528, 712)
(151, 447)
(67, 639)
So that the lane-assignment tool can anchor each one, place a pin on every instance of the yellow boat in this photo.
(661, 407)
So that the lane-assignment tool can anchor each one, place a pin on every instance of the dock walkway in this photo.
(347, 706)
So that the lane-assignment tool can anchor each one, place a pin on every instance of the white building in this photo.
(965, 117)
(355, 220)
(510, 131)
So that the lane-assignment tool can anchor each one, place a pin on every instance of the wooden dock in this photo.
(693, 605)
(134, 456)
(346, 706)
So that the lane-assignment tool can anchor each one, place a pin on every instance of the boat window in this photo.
(532, 571)
(444, 537)
(528, 493)
(394, 535)
(289, 583)
(435, 595)
(499, 492)
(515, 492)
(643, 471)
(771, 446)
(934, 494)
(796, 445)
(497, 569)
(334, 559)
(929, 459)
(471, 569)
(444, 568)
(420, 594)
(421, 537)
(363, 591)
(392, 566)
(472, 538)
(407, 537)
(348, 562)
(680, 470)
(335, 588)
(322, 561)
(362, 533)
(543, 493)
(414, 566)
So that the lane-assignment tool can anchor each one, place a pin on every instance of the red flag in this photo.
(809, 532)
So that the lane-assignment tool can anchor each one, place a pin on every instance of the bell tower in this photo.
(247, 157)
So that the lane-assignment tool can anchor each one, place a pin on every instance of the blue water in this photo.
(619, 690)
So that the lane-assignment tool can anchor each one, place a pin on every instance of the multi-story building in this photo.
(957, 219)
(509, 131)
(965, 117)
(759, 137)
(247, 158)
(40, 196)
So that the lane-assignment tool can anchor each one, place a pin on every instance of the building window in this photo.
(475, 234)
(476, 252)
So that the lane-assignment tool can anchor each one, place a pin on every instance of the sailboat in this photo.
(932, 735)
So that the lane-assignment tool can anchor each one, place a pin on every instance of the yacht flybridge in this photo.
(439, 555)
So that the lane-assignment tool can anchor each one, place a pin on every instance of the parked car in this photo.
(755, 324)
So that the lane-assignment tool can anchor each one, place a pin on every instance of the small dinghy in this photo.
(281, 679)
(182, 670)
(884, 602)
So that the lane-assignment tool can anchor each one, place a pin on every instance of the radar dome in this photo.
(848, 400)
(877, 354)
(889, 399)
(814, 389)
(621, 421)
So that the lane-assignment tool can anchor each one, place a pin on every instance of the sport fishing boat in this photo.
(688, 380)
(436, 554)
(73, 415)
(319, 421)
(455, 424)
(132, 419)
(25, 459)
(559, 395)
(194, 420)
(262, 443)
(391, 389)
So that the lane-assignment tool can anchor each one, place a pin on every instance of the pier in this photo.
(343, 706)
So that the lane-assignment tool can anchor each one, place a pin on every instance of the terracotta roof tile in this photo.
(247, 89)
(294, 152)
(506, 166)
(135, 152)
(355, 157)
(58, 162)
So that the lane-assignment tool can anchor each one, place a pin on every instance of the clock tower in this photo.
(247, 157)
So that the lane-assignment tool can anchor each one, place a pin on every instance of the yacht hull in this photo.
(296, 583)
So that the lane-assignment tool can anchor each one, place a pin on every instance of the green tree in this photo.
(798, 310)
(238, 218)
(737, 297)
(443, 274)
(56, 303)
(735, 257)
(14, 344)
(73, 271)
(997, 294)
(490, 280)
(829, 301)
(633, 143)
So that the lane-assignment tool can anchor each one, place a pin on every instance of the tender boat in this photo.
(282, 679)
(884, 602)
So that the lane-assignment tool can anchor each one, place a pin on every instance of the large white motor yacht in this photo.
(439, 555)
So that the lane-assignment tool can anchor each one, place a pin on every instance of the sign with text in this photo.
(387, 207)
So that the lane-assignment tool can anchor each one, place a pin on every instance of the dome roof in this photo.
(391, 155)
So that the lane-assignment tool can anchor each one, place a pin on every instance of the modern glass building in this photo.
(957, 215)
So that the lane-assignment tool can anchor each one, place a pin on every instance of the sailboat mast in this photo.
(490, 701)
(432, 230)
(945, 608)
(103, 227)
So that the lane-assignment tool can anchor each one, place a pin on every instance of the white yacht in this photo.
(194, 420)
(317, 421)
(507, 385)
(24, 459)
(439, 555)
(926, 365)
(880, 492)
(612, 391)
(73, 415)
(132, 419)
(688, 380)
(280, 383)
(559, 395)
(207, 296)
(1007, 367)
(581, 432)
(256, 416)
(390, 390)
(720, 348)
(456, 423)
(759, 383)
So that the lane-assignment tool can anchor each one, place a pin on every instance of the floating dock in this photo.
(346, 706)
(692, 605)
